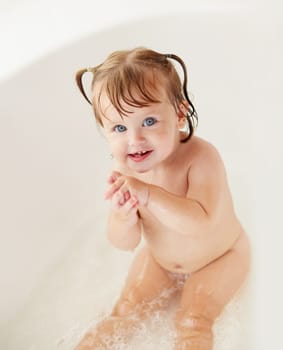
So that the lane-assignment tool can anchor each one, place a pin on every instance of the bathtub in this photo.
(59, 274)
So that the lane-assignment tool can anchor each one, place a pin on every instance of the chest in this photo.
(173, 180)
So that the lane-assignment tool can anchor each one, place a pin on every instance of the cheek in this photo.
(167, 132)
(117, 145)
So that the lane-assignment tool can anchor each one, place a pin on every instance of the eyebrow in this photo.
(148, 111)
(110, 121)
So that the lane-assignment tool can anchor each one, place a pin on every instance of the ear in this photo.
(184, 107)
(182, 114)
(182, 121)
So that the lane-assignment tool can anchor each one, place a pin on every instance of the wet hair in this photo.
(133, 78)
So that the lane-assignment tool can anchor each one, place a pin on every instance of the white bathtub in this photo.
(58, 272)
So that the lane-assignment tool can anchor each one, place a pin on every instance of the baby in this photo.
(170, 187)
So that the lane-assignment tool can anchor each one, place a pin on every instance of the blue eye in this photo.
(149, 121)
(119, 128)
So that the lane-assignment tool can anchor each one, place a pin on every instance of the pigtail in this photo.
(192, 116)
(79, 76)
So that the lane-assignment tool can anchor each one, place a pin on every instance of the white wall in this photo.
(50, 148)
(29, 29)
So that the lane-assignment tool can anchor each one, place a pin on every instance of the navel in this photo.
(177, 266)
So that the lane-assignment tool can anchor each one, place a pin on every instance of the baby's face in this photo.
(145, 138)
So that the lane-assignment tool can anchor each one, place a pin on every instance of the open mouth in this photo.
(140, 156)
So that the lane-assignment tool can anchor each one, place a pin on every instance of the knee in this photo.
(186, 320)
(194, 330)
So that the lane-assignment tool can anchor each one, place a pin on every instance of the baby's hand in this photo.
(127, 189)
(123, 203)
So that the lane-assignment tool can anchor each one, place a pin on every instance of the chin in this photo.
(140, 169)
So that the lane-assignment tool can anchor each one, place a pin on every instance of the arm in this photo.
(178, 213)
(202, 204)
(187, 215)
(123, 232)
(124, 224)
(181, 214)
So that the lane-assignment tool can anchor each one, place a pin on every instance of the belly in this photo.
(186, 254)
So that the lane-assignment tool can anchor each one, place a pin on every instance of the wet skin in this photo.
(177, 196)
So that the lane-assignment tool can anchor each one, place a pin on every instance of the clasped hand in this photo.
(126, 192)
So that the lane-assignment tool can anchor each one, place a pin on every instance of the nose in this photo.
(136, 138)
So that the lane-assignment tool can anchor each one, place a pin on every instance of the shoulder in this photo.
(206, 175)
(206, 164)
(201, 152)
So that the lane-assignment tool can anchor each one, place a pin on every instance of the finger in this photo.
(134, 202)
(114, 176)
(122, 187)
(121, 199)
(114, 188)
(127, 195)
(129, 206)
(117, 200)
(111, 179)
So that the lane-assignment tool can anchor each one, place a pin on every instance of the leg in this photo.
(147, 289)
(205, 294)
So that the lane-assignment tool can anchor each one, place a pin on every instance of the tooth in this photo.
(141, 152)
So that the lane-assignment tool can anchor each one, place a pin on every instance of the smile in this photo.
(140, 156)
